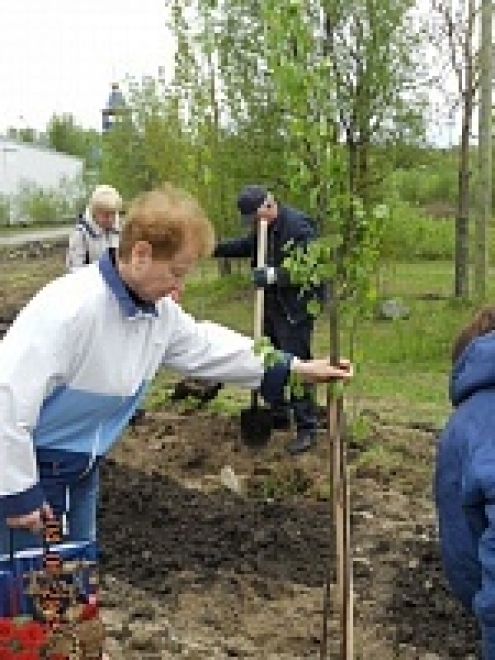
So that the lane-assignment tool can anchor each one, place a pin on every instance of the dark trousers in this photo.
(294, 338)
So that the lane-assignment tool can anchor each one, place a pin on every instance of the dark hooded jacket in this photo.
(465, 486)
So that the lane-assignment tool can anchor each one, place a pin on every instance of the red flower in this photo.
(31, 635)
(27, 655)
(6, 630)
(7, 654)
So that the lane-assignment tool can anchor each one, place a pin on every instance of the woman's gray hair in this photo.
(105, 197)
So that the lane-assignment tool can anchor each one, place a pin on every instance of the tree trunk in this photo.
(224, 266)
(461, 265)
(484, 188)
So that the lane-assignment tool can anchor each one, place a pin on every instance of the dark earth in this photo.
(194, 570)
(191, 569)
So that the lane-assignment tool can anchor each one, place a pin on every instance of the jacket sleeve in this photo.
(33, 357)
(213, 352)
(77, 251)
(484, 600)
(235, 247)
(479, 491)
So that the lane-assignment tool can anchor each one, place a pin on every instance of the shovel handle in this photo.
(259, 306)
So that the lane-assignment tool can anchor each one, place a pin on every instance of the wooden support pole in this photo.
(340, 510)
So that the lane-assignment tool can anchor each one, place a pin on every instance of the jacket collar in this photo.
(92, 227)
(132, 306)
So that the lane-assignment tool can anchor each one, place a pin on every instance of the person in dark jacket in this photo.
(465, 476)
(287, 322)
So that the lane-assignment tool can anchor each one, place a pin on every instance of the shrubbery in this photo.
(36, 205)
(410, 236)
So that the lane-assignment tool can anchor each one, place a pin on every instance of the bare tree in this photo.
(484, 196)
(457, 27)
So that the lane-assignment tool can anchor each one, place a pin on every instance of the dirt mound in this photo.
(221, 575)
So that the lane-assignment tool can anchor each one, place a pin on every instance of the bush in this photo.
(410, 236)
(4, 210)
(427, 184)
(38, 205)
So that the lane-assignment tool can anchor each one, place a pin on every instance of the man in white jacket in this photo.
(96, 230)
(78, 360)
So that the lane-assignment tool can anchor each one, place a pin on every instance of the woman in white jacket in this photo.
(96, 230)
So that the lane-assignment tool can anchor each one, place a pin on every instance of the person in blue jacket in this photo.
(287, 321)
(465, 476)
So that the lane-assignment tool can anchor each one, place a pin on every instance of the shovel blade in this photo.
(256, 426)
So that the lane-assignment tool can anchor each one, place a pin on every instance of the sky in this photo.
(61, 56)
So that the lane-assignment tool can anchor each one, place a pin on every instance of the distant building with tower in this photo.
(115, 106)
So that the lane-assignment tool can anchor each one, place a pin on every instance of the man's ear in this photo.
(141, 255)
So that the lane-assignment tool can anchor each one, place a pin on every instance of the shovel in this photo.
(256, 421)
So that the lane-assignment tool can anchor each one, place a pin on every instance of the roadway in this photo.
(34, 236)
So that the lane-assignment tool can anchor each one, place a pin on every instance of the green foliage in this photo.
(410, 236)
(40, 205)
(145, 145)
(311, 266)
(25, 134)
(402, 365)
(265, 349)
(283, 482)
(229, 113)
(4, 209)
(64, 134)
(310, 83)
(427, 184)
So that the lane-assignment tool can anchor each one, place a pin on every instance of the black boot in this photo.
(280, 422)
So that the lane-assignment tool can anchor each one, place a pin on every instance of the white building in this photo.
(24, 164)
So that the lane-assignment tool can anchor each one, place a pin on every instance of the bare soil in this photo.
(193, 570)
(190, 569)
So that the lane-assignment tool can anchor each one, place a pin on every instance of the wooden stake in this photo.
(341, 510)
(342, 518)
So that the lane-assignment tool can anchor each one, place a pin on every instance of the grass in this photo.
(400, 365)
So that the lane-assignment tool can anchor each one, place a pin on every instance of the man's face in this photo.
(105, 218)
(268, 210)
(153, 279)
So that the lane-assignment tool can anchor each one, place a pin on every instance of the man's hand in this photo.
(321, 371)
(263, 277)
(32, 522)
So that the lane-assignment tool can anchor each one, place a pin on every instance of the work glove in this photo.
(263, 277)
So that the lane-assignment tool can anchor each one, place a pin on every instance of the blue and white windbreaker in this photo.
(77, 362)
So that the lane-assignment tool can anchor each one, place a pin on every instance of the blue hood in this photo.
(474, 370)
